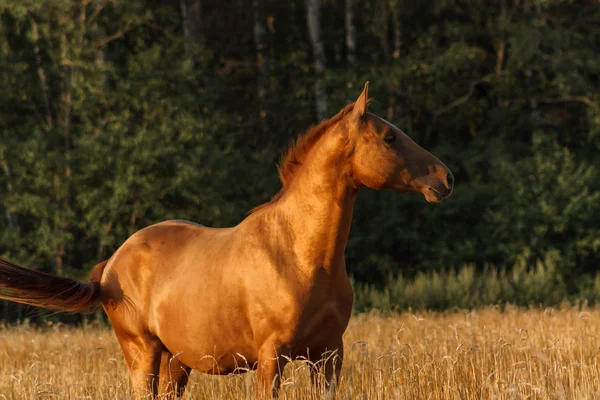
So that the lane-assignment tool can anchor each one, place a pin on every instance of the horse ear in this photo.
(360, 107)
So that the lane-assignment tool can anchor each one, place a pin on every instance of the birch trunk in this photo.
(395, 8)
(397, 88)
(48, 122)
(10, 217)
(316, 41)
(191, 13)
(350, 33)
(261, 44)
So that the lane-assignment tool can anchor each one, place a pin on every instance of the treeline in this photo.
(117, 114)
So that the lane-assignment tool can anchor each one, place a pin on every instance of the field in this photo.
(488, 353)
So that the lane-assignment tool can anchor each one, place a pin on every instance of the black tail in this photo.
(47, 291)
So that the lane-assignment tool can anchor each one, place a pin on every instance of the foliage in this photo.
(523, 285)
(118, 114)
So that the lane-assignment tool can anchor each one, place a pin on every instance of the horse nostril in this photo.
(450, 180)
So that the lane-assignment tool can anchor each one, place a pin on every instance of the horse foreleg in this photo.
(174, 376)
(269, 371)
(328, 367)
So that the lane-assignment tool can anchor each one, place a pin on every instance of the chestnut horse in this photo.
(270, 289)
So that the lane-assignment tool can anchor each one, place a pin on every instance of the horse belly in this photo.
(210, 333)
(219, 361)
(209, 349)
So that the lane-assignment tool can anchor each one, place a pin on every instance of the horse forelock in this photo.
(294, 157)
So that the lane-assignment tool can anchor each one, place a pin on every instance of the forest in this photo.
(118, 114)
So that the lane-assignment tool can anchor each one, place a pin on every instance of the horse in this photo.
(272, 289)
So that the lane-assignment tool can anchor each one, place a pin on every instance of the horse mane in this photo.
(296, 154)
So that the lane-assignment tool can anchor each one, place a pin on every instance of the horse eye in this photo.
(389, 138)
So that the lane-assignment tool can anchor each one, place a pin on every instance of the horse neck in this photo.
(318, 206)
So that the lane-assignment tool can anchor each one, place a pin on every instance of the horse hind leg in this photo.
(174, 376)
(143, 355)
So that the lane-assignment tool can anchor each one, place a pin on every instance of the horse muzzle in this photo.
(439, 190)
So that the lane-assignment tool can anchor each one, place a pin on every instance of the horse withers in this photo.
(271, 289)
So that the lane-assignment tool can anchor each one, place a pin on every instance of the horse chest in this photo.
(317, 330)
(319, 321)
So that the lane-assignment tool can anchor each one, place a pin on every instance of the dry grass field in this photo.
(483, 354)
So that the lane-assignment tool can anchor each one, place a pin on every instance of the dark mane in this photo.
(294, 158)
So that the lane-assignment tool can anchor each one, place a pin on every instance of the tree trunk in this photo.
(350, 33)
(191, 13)
(397, 29)
(393, 89)
(384, 28)
(41, 76)
(261, 44)
(314, 32)
(10, 217)
(62, 189)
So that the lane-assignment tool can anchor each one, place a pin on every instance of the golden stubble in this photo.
(488, 353)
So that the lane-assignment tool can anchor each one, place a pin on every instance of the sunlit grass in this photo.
(488, 353)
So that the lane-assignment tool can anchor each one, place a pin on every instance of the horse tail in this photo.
(43, 290)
